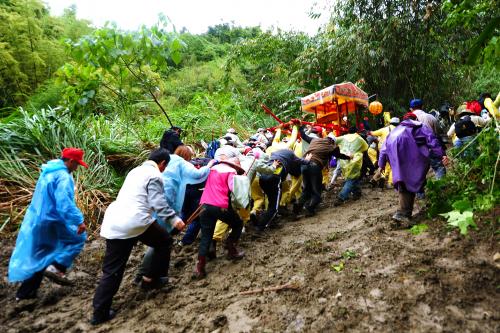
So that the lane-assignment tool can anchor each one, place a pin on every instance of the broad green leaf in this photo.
(460, 220)
(418, 229)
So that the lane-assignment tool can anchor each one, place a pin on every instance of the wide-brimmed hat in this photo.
(235, 164)
(463, 111)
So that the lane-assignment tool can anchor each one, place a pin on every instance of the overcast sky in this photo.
(197, 15)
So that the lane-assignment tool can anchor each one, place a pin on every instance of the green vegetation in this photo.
(113, 92)
(471, 184)
(418, 229)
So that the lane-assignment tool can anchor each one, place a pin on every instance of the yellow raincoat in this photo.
(352, 145)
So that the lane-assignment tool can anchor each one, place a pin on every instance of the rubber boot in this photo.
(199, 270)
(232, 252)
(212, 251)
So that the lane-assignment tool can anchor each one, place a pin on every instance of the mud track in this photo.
(355, 273)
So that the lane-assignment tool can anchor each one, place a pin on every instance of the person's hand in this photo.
(276, 164)
(212, 163)
(81, 228)
(446, 160)
(179, 225)
(308, 157)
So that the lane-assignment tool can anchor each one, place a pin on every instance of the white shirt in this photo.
(141, 194)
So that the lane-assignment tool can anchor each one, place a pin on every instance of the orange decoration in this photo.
(375, 107)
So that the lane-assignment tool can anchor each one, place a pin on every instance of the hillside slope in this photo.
(391, 281)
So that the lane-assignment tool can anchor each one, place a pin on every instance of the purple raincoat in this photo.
(407, 149)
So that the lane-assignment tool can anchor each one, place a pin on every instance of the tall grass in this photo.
(31, 139)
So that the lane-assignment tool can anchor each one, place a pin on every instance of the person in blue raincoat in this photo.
(52, 233)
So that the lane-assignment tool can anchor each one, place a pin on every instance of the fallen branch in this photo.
(286, 286)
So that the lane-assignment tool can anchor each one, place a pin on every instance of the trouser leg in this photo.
(316, 176)
(257, 196)
(220, 230)
(285, 193)
(346, 189)
(29, 287)
(208, 219)
(271, 185)
(191, 232)
(355, 187)
(160, 241)
(406, 201)
(113, 266)
(307, 185)
(231, 218)
(296, 189)
(438, 166)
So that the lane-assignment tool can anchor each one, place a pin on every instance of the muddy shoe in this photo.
(232, 251)
(137, 280)
(338, 202)
(57, 276)
(100, 319)
(400, 221)
(297, 209)
(283, 211)
(356, 196)
(199, 270)
(309, 213)
(157, 284)
(212, 251)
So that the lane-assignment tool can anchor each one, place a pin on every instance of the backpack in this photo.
(212, 148)
(465, 127)
(240, 196)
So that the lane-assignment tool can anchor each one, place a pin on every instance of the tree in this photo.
(30, 47)
(399, 48)
(129, 65)
(483, 21)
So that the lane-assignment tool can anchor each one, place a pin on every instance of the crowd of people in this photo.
(237, 185)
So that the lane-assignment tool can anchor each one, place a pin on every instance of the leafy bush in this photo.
(471, 184)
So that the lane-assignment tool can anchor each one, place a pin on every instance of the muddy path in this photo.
(354, 272)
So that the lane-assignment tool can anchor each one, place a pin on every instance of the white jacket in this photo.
(141, 194)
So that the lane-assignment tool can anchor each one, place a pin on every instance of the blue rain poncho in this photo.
(48, 233)
(176, 176)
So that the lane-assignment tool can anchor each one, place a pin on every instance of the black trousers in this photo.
(208, 219)
(367, 165)
(312, 177)
(271, 186)
(29, 287)
(115, 260)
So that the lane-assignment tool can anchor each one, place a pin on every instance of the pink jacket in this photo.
(219, 183)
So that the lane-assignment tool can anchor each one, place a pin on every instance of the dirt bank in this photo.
(356, 274)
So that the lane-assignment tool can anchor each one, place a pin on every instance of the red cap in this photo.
(74, 154)
(317, 129)
(410, 115)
